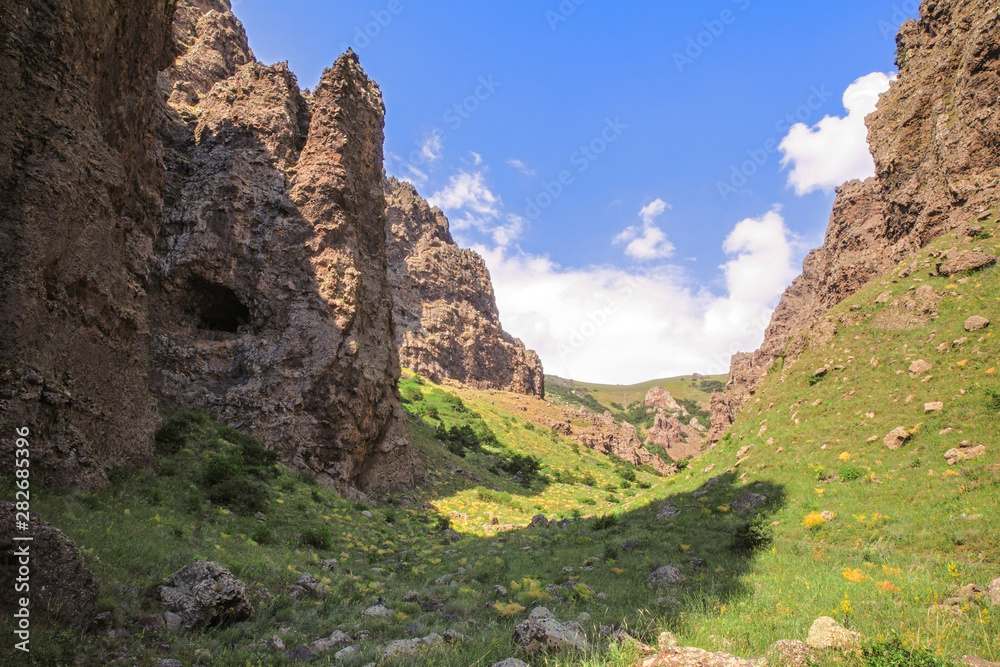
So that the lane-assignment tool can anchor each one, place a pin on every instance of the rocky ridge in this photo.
(679, 440)
(934, 138)
(603, 434)
(447, 322)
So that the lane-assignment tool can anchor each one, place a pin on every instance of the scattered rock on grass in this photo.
(510, 662)
(827, 633)
(206, 594)
(338, 638)
(936, 406)
(667, 511)
(964, 452)
(896, 438)
(966, 260)
(347, 652)
(919, 367)
(666, 576)
(749, 501)
(378, 610)
(994, 592)
(686, 657)
(976, 323)
(539, 521)
(542, 633)
(790, 653)
(402, 647)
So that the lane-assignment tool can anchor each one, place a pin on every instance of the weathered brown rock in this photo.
(79, 206)
(61, 586)
(976, 323)
(542, 633)
(679, 440)
(896, 438)
(965, 261)
(826, 633)
(934, 138)
(447, 322)
(678, 656)
(205, 594)
(607, 436)
(659, 397)
(964, 452)
(272, 303)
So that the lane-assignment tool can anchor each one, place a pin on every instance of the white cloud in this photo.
(648, 242)
(477, 159)
(468, 200)
(433, 147)
(605, 324)
(835, 150)
(505, 235)
(521, 167)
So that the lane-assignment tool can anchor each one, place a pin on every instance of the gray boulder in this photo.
(542, 633)
(667, 576)
(205, 594)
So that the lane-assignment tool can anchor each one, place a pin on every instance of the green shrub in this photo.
(319, 538)
(748, 536)
(850, 473)
(604, 522)
(893, 652)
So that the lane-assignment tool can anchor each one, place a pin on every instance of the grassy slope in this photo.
(908, 530)
(625, 395)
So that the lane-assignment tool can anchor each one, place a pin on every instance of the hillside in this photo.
(696, 388)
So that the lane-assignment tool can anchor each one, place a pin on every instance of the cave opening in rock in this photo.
(217, 308)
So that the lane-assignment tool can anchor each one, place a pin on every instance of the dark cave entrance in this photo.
(216, 307)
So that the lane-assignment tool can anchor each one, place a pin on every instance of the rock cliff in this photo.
(603, 434)
(447, 323)
(181, 222)
(935, 138)
(272, 302)
(79, 206)
(678, 440)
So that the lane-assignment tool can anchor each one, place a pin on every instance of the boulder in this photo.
(510, 662)
(919, 367)
(338, 638)
(790, 653)
(896, 438)
(666, 576)
(966, 260)
(667, 511)
(692, 657)
(61, 586)
(404, 647)
(827, 633)
(964, 452)
(993, 590)
(205, 594)
(936, 406)
(749, 501)
(539, 521)
(378, 610)
(976, 323)
(542, 633)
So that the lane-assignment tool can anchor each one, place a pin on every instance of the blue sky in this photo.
(617, 164)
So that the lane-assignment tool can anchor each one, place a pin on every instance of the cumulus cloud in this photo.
(647, 242)
(607, 324)
(505, 235)
(521, 167)
(834, 150)
(468, 200)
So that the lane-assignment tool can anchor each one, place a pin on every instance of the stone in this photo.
(377, 611)
(300, 654)
(993, 590)
(330, 564)
(896, 438)
(205, 594)
(169, 662)
(62, 589)
(275, 643)
(693, 657)
(666, 576)
(826, 633)
(666, 640)
(366, 514)
(347, 652)
(964, 452)
(444, 308)
(630, 545)
(542, 633)
(173, 621)
(667, 511)
(919, 367)
(743, 451)
(404, 647)
(660, 398)
(748, 501)
(338, 638)
(511, 662)
(790, 653)
(936, 406)
(966, 260)
(971, 661)
(539, 521)
(309, 583)
(976, 323)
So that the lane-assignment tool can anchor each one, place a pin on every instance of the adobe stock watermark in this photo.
(367, 33)
(740, 174)
(21, 556)
(454, 118)
(702, 41)
(562, 13)
(900, 12)
(582, 159)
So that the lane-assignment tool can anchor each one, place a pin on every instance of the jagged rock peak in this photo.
(447, 322)
(935, 139)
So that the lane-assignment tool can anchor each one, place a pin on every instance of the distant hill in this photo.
(697, 388)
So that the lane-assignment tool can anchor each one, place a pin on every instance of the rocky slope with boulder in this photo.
(678, 440)
(934, 138)
(447, 322)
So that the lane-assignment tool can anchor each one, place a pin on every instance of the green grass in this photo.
(903, 530)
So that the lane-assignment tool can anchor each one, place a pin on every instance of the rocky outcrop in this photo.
(79, 207)
(272, 303)
(603, 434)
(60, 585)
(447, 322)
(205, 594)
(679, 440)
(220, 245)
(935, 138)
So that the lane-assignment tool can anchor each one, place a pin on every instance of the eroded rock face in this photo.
(272, 308)
(61, 585)
(935, 138)
(607, 436)
(205, 594)
(447, 322)
(79, 206)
